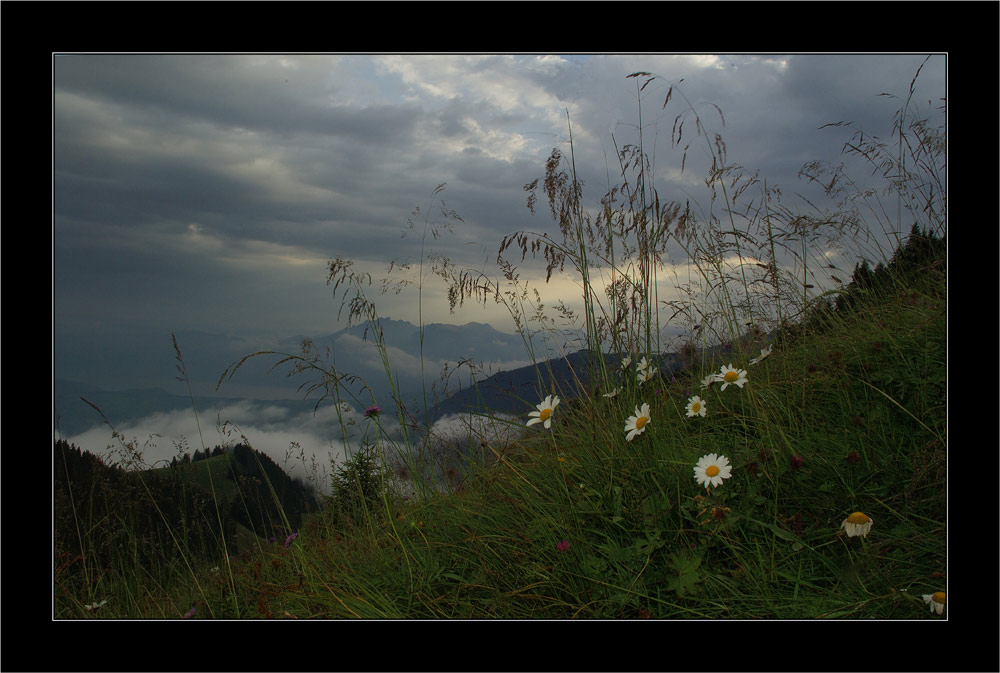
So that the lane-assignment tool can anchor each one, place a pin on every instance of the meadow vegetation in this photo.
(725, 490)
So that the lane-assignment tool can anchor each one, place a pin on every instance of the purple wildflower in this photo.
(372, 411)
(271, 540)
(796, 461)
(563, 545)
(289, 539)
(190, 613)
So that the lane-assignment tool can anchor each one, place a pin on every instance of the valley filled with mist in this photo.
(136, 387)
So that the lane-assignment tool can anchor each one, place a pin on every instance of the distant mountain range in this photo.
(133, 376)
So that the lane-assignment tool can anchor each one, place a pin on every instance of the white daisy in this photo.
(712, 469)
(731, 375)
(858, 523)
(636, 425)
(935, 601)
(626, 361)
(544, 413)
(764, 353)
(644, 371)
(696, 406)
(613, 393)
(710, 379)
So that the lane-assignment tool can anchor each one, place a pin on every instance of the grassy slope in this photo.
(207, 474)
(850, 419)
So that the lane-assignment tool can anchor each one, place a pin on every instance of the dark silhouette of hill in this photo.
(519, 390)
(155, 517)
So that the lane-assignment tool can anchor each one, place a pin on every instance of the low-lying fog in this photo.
(303, 444)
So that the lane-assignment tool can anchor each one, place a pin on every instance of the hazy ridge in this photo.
(135, 375)
(506, 380)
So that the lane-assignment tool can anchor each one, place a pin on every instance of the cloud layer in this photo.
(308, 446)
(194, 190)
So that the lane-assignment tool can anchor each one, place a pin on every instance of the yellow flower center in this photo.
(858, 517)
(730, 377)
(544, 416)
(712, 470)
(938, 597)
(640, 422)
(696, 407)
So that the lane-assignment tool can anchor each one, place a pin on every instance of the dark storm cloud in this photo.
(164, 141)
(253, 93)
(210, 190)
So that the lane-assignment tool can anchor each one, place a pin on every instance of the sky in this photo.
(210, 191)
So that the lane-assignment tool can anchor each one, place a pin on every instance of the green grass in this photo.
(207, 474)
(847, 414)
(856, 403)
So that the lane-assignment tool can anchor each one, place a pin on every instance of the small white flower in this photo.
(95, 605)
(710, 379)
(644, 371)
(613, 393)
(626, 361)
(712, 469)
(696, 406)
(764, 353)
(544, 413)
(858, 523)
(636, 425)
(731, 375)
(935, 601)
